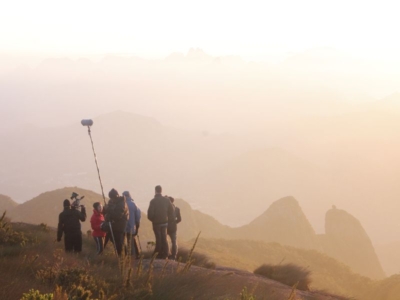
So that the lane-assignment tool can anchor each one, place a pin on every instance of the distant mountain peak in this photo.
(286, 201)
(6, 203)
(198, 54)
(284, 222)
(347, 240)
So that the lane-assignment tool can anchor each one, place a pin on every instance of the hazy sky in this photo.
(261, 30)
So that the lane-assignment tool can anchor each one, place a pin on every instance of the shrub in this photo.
(245, 295)
(8, 236)
(200, 260)
(36, 295)
(79, 283)
(44, 227)
(288, 274)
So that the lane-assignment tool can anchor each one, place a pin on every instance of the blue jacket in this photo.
(134, 215)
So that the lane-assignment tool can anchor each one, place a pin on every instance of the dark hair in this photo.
(158, 189)
(96, 204)
(171, 199)
(113, 194)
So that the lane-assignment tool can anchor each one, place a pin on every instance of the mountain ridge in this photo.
(283, 222)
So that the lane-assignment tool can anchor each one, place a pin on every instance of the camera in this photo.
(77, 200)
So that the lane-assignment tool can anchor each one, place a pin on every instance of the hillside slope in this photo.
(345, 239)
(45, 263)
(283, 222)
(46, 207)
(327, 273)
(6, 203)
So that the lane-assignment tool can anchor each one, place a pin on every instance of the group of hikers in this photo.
(119, 221)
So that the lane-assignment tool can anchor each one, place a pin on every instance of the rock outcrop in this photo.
(346, 240)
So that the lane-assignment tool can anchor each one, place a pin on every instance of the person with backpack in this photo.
(173, 228)
(116, 213)
(96, 221)
(132, 227)
(69, 224)
(160, 211)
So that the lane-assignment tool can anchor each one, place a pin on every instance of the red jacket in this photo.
(95, 221)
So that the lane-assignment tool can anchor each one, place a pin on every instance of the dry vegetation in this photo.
(288, 274)
(37, 268)
(327, 274)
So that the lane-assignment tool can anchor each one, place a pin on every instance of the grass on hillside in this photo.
(37, 268)
(288, 274)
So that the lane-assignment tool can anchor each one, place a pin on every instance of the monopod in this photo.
(89, 123)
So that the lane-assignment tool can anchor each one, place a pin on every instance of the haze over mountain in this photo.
(283, 222)
(322, 161)
(346, 240)
(289, 129)
(6, 203)
(190, 89)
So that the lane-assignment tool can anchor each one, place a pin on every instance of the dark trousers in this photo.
(174, 245)
(132, 245)
(99, 243)
(119, 238)
(162, 248)
(73, 242)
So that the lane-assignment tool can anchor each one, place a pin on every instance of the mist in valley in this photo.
(303, 150)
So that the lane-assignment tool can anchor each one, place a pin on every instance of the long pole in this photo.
(112, 235)
(101, 185)
(97, 166)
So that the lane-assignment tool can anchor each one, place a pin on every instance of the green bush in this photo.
(36, 295)
(245, 295)
(8, 236)
(77, 282)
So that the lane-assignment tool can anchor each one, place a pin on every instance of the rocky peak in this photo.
(346, 240)
(283, 222)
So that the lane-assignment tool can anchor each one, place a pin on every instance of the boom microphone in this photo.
(87, 122)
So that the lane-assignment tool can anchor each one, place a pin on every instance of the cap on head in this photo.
(66, 203)
(158, 189)
(127, 194)
(113, 194)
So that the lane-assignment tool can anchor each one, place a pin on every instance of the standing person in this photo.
(173, 228)
(117, 213)
(132, 227)
(69, 224)
(159, 212)
(95, 221)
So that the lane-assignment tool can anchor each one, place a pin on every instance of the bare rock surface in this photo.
(228, 283)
